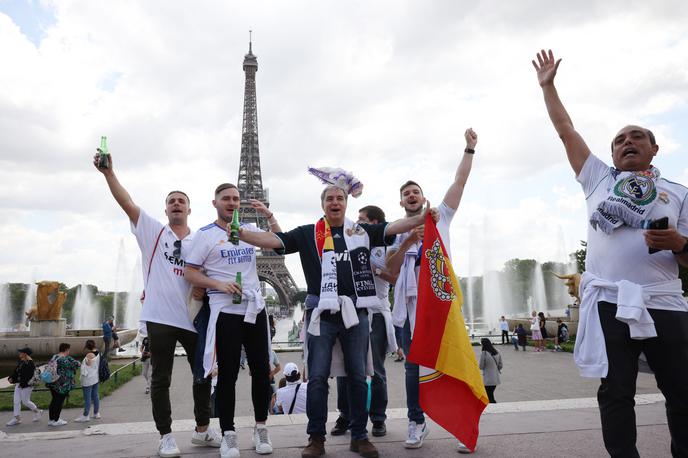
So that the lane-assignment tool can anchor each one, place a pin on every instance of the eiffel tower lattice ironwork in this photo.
(271, 266)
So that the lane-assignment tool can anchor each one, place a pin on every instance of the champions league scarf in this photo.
(628, 201)
(357, 244)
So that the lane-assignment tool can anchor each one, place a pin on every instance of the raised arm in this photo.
(395, 259)
(406, 224)
(118, 192)
(260, 239)
(265, 211)
(453, 196)
(576, 149)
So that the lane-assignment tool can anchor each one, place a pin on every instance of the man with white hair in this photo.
(335, 257)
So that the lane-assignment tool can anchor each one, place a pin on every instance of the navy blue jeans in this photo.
(378, 385)
(415, 413)
(354, 342)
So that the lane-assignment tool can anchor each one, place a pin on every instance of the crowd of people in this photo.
(631, 300)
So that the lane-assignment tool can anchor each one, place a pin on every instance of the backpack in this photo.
(103, 370)
(36, 379)
(50, 375)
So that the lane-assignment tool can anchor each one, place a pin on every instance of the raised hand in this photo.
(260, 207)
(471, 138)
(107, 171)
(546, 67)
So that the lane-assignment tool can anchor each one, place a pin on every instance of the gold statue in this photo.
(572, 282)
(49, 300)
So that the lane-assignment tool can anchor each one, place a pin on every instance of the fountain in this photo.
(132, 309)
(85, 315)
(6, 318)
(538, 289)
(47, 328)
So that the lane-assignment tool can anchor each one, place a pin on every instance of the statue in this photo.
(573, 283)
(49, 300)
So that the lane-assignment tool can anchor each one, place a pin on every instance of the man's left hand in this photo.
(665, 239)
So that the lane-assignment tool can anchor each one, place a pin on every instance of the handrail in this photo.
(113, 376)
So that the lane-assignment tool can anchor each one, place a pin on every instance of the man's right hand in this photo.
(547, 69)
(107, 171)
(228, 287)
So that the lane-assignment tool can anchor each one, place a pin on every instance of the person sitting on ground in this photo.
(274, 410)
(562, 335)
(522, 336)
(292, 398)
(22, 377)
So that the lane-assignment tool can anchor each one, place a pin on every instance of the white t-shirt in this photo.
(285, 396)
(623, 254)
(166, 289)
(222, 260)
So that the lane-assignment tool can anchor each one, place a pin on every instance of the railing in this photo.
(113, 376)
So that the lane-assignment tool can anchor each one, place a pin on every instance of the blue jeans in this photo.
(91, 394)
(378, 385)
(354, 342)
(201, 325)
(415, 413)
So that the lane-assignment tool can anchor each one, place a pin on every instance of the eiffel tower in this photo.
(271, 267)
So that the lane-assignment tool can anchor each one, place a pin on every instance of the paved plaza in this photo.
(544, 408)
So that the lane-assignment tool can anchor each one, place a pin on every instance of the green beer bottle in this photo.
(234, 228)
(236, 297)
(103, 154)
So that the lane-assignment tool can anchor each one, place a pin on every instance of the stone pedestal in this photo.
(48, 328)
(574, 309)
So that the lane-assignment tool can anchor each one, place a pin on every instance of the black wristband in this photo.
(469, 150)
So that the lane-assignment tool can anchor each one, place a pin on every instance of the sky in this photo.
(384, 89)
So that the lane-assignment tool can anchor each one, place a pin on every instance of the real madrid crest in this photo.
(639, 188)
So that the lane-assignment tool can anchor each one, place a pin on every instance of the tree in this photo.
(579, 256)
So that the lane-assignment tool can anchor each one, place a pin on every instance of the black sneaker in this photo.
(379, 428)
(340, 427)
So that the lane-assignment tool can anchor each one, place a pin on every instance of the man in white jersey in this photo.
(382, 340)
(632, 300)
(165, 306)
(403, 260)
(233, 324)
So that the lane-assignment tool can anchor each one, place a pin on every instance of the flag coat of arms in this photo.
(450, 384)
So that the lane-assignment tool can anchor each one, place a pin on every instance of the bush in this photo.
(76, 396)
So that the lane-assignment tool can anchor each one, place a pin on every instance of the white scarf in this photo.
(406, 289)
(628, 201)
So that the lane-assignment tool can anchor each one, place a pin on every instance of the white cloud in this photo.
(384, 89)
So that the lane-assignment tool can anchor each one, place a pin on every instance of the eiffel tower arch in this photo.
(271, 267)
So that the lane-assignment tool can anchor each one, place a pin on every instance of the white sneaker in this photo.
(13, 421)
(229, 447)
(96, 416)
(82, 419)
(261, 440)
(208, 438)
(168, 447)
(37, 415)
(416, 434)
(59, 422)
(463, 449)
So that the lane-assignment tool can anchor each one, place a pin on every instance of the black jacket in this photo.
(23, 373)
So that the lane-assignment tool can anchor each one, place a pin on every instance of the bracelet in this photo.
(469, 150)
(271, 215)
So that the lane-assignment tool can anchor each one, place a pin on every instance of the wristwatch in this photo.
(377, 271)
(683, 250)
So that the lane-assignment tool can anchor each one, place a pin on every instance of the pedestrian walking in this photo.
(491, 365)
(24, 379)
(66, 367)
(90, 382)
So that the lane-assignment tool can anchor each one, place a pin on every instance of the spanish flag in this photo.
(451, 387)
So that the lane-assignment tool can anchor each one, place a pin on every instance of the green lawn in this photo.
(76, 396)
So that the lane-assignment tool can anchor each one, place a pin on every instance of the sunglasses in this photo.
(177, 249)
